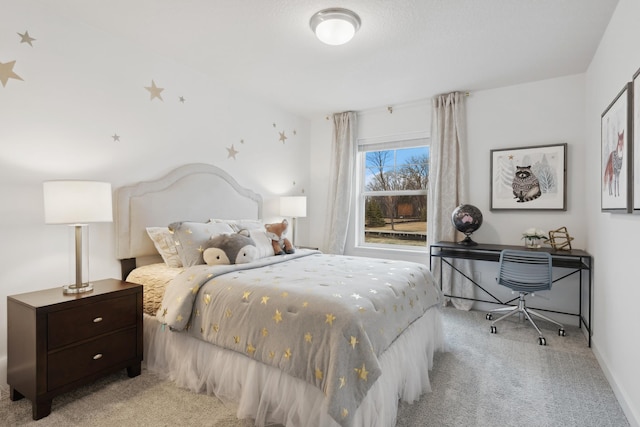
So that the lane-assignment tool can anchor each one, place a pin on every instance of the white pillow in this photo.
(263, 243)
(165, 245)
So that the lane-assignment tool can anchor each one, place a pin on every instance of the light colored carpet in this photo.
(505, 379)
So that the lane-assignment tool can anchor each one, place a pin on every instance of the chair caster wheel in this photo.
(542, 341)
(489, 316)
(561, 332)
(494, 330)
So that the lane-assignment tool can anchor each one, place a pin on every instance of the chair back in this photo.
(525, 271)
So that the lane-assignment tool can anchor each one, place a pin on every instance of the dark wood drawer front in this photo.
(86, 359)
(79, 323)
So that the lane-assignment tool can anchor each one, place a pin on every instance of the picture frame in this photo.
(529, 178)
(636, 140)
(616, 173)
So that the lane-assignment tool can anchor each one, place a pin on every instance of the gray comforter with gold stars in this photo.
(322, 318)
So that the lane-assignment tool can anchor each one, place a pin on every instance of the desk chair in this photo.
(525, 272)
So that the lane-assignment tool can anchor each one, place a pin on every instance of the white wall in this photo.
(81, 86)
(613, 238)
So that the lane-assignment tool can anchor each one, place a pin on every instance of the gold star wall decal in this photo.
(116, 137)
(232, 152)
(155, 91)
(278, 316)
(283, 137)
(26, 38)
(6, 72)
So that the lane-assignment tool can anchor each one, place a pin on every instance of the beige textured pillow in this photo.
(190, 238)
(165, 245)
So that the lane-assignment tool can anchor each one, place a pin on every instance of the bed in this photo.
(297, 339)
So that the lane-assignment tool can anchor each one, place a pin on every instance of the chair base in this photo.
(522, 309)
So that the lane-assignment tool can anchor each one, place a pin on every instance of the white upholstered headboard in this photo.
(194, 192)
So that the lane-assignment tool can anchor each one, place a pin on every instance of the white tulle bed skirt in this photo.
(269, 396)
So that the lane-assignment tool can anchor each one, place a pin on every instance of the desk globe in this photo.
(466, 219)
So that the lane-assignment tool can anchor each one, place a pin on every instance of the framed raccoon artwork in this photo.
(529, 178)
(616, 173)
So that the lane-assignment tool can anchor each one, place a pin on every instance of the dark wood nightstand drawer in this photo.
(79, 323)
(76, 362)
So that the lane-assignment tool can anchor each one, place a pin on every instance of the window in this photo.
(393, 178)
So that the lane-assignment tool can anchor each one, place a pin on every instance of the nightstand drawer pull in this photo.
(97, 356)
(97, 320)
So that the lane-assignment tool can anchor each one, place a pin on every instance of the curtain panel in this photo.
(341, 186)
(448, 187)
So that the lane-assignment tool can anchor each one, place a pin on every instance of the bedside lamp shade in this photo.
(295, 207)
(78, 203)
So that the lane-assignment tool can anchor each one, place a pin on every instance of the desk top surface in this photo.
(487, 247)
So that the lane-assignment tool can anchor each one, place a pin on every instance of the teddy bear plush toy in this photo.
(237, 248)
(276, 232)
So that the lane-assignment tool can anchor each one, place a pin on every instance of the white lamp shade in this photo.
(335, 26)
(293, 206)
(77, 202)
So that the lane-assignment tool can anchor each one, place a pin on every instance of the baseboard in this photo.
(629, 411)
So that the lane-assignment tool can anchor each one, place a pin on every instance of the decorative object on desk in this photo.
(532, 237)
(295, 207)
(529, 178)
(77, 203)
(615, 139)
(559, 239)
(466, 219)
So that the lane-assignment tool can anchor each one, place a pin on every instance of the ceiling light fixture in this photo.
(335, 26)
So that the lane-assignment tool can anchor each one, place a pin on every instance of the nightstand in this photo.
(57, 342)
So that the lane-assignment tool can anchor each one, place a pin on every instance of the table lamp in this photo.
(77, 203)
(295, 207)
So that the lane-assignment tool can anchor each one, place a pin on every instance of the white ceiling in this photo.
(406, 50)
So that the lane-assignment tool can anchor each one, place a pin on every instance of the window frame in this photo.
(392, 142)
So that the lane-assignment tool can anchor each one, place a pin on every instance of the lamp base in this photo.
(75, 289)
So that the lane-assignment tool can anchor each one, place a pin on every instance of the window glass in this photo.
(393, 194)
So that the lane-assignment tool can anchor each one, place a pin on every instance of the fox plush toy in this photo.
(276, 232)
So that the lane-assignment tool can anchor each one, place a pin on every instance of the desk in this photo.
(576, 261)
